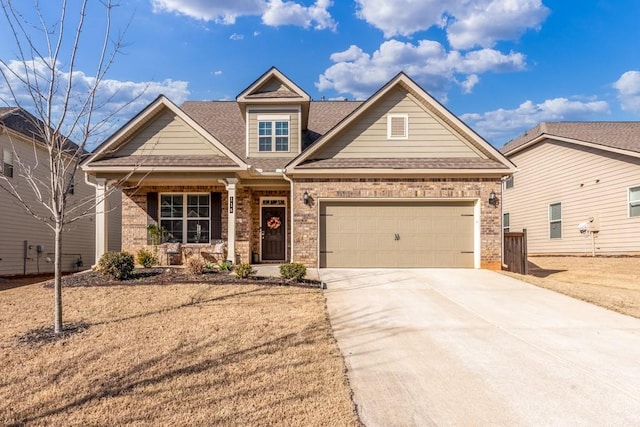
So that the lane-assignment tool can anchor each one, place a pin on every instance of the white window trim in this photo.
(555, 220)
(505, 229)
(273, 118)
(632, 203)
(390, 117)
(184, 218)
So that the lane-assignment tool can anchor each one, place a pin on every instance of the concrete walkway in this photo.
(473, 347)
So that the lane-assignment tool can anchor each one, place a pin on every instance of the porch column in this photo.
(101, 218)
(232, 206)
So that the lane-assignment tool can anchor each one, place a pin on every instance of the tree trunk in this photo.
(57, 282)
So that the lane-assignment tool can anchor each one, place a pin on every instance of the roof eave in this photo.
(545, 136)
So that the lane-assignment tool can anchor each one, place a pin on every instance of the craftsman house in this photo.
(394, 181)
(577, 189)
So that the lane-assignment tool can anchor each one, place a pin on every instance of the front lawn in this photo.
(189, 354)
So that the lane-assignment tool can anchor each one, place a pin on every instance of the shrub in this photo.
(194, 264)
(146, 258)
(116, 265)
(226, 266)
(293, 270)
(208, 265)
(244, 270)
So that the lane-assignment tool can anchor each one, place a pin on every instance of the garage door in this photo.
(398, 234)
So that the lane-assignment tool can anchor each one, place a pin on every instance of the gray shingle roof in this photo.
(224, 120)
(197, 161)
(404, 163)
(619, 135)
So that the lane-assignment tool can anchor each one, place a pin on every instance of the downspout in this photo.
(284, 175)
(502, 188)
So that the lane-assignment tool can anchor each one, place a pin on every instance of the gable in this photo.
(426, 135)
(167, 135)
(275, 87)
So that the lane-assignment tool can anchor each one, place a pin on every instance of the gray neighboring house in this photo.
(26, 244)
(577, 188)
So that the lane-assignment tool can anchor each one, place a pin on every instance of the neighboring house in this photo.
(577, 188)
(26, 244)
(394, 181)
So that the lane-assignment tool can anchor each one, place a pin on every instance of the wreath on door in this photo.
(274, 223)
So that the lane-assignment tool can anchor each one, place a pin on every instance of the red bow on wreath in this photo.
(274, 223)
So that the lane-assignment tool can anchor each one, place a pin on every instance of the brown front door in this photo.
(273, 233)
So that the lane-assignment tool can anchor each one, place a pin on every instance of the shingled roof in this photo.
(618, 135)
(223, 120)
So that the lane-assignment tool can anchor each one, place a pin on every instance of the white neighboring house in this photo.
(577, 188)
(26, 244)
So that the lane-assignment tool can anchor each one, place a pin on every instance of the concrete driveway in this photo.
(473, 347)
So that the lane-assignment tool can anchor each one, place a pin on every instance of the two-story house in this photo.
(393, 181)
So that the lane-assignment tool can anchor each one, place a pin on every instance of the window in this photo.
(505, 222)
(185, 217)
(7, 163)
(273, 133)
(397, 126)
(508, 183)
(634, 201)
(555, 221)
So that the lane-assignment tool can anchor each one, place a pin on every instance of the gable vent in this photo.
(397, 126)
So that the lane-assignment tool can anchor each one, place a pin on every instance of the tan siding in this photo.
(588, 183)
(273, 85)
(168, 134)
(294, 132)
(17, 226)
(114, 227)
(367, 137)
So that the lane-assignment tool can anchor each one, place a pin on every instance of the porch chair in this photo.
(172, 249)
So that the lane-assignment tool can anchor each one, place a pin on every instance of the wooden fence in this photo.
(515, 251)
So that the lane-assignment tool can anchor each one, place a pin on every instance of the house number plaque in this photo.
(231, 204)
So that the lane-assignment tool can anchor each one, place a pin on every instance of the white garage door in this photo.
(397, 234)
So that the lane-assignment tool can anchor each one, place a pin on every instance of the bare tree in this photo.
(67, 111)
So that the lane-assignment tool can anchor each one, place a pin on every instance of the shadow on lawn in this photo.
(537, 271)
(148, 378)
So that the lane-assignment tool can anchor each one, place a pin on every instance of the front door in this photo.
(274, 231)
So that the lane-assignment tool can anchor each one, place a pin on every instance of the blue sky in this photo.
(500, 65)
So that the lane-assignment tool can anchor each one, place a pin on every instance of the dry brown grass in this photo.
(613, 283)
(173, 355)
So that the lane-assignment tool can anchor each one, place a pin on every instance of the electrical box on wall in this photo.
(591, 225)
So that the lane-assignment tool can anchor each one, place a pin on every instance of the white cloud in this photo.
(217, 73)
(116, 100)
(273, 12)
(628, 86)
(220, 11)
(505, 124)
(467, 23)
(358, 73)
(291, 13)
(236, 36)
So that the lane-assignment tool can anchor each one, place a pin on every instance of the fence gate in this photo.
(515, 251)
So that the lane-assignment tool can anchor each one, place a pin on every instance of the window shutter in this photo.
(216, 216)
(152, 211)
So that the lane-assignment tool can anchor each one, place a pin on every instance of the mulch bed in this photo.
(171, 276)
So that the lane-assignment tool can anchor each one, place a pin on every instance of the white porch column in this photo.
(101, 219)
(232, 207)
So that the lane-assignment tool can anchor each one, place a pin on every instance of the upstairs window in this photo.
(555, 221)
(273, 133)
(7, 163)
(508, 183)
(397, 126)
(634, 201)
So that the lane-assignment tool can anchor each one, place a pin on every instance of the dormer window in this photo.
(273, 133)
(397, 126)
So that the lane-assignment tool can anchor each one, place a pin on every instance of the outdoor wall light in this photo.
(493, 199)
(305, 198)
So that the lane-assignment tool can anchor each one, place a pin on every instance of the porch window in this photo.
(273, 133)
(185, 217)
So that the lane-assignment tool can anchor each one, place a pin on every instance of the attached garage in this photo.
(397, 234)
